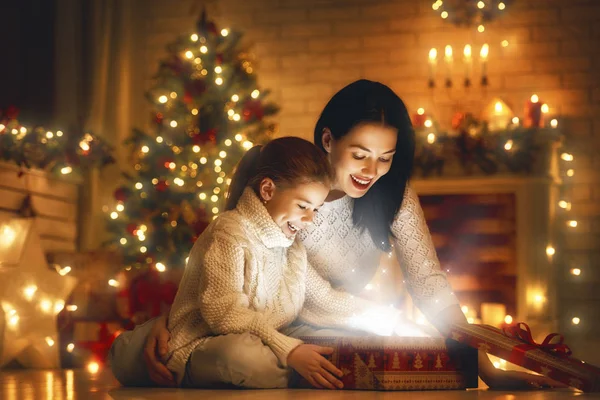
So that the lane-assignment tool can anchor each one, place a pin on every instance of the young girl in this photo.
(366, 133)
(245, 281)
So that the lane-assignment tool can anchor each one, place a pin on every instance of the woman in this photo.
(366, 132)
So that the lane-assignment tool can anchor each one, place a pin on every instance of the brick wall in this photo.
(308, 49)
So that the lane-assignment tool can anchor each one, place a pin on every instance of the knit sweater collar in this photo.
(261, 222)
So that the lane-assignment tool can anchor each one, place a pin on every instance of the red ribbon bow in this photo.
(522, 332)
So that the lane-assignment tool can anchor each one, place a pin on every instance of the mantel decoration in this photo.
(61, 153)
(498, 142)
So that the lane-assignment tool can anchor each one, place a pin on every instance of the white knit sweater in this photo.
(245, 275)
(346, 259)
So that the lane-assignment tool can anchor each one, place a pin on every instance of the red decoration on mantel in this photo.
(533, 113)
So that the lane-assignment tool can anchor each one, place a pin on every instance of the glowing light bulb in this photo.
(498, 107)
(570, 172)
(84, 146)
(235, 98)
(576, 321)
(215, 210)
(173, 124)
(114, 215)
(139, 185)
(535, 98)
(566, 156)
(550, 251)
(49, 135)
(564, 204)
(159, 139)
(58, 133)
(64, 271)
(554, 123)
(113, 282)
(160, 267)
(539, 298)
(515, 120)
(255, 93)
(29, 292)
(194, 37)
(194, 111)
(93, 367)
(222, 154)
(501, 6)
(508, 145)
(239, 137)
(46, 305)
(218, 162)
(504, 43)
(572, 223)
(120, 207)
(59, 306)
(480, 4)
(66, 170)
(203, 49)
(163, 99)
(218, 69)
(508, 320)
(421, 111)
(203, 160)
(576, 271)
(214, 198)
(545, 108)
(70, 347)
(444, 14)
(196, 149)
(145, 149)
(481, 29)
(224, 32)
(202, 196)
(49, 341)
(428, 123)
(247, 145)
(236, 117)
(431, 138)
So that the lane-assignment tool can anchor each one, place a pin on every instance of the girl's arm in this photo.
(325, 306)
(224, 305)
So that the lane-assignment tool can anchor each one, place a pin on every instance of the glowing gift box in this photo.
(391, 363)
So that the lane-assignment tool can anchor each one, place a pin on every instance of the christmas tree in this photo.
(207, 111)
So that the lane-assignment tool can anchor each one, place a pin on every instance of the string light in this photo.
(173, 124)
(194, 37)
(235, 98)
(114, 215)
(159, 139)
(550, 251)
(224, 32)
(203, 49)
(202, 196)
(572, 224)
(255, 93)
(428, 123)
(504, 43)
(70, 347)
(66, 170)
(93, 367)
(139, 185)
(566, 157)
(481, 29)
(29, 292)
(554, 123)
(145, 149)
(219, 81)
(71, 307)
(120, 207)
(203, 160)
(160, 267)
(575, 271)
(49, 341)
(508, 145)
(431, 138)
(564, 204)
(64, 271)
(508, 319)
(576, 320)
(113, 282)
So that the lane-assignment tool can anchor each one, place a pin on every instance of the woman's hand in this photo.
(498, 379)
(156, 343)
(308, 361)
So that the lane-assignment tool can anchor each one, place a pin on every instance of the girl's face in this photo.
(361, 157)
(293, 208)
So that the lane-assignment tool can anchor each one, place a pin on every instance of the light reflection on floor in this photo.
(80, 384)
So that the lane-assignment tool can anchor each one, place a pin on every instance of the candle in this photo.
(448, 59)
(493, 313)
(468, 64)
(483, 54)
(432, 62)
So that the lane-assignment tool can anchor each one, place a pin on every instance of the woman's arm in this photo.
(414, 249)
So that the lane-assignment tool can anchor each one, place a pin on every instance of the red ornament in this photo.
(419, 120)
(211, 27)
(533, 113)
(12, 112)
(132, 228)
(122, 194)
(219, 59)
(253, 109)
(457, 120)
(195, 87)
(187, 97)
(202, 138)
(161, 186)
(158, 118)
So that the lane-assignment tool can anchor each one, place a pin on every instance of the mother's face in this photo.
(361, 157)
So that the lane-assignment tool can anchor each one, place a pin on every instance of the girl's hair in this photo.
(370, 102)
(288, 161)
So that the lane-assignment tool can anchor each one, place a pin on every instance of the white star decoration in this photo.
(31, 295)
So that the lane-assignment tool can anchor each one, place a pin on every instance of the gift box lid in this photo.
(515, 344)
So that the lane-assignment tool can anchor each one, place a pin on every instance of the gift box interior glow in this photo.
(516, 345)
(400, 363)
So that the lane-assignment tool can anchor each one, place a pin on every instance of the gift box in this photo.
(400, 363)
(515, 344)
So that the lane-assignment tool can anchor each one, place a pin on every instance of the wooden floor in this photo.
(79, 384)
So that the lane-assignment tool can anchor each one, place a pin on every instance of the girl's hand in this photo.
(156, 343)
(308, 361)
(516, 380)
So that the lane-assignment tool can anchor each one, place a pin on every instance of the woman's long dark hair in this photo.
(362, 102)
(288, 161)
